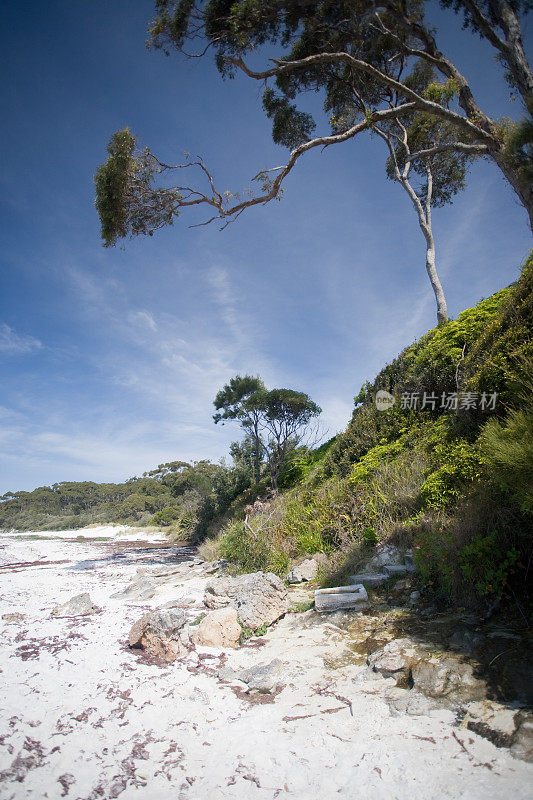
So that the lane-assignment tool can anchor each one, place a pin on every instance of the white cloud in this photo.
(13, 343)
(143, 319)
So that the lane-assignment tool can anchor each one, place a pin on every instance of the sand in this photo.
(84, 717)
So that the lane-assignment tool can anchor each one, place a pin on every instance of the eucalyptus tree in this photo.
(275, 419)
(372, 50)
(238, 400)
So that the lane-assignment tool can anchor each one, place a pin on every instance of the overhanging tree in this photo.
(369, 50)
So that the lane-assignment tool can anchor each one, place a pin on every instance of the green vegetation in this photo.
(454, 481)
(184, 499)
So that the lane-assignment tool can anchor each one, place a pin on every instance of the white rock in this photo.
(306, 571)
(220, 628)
(77, 606)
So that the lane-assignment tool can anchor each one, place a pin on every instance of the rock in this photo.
(163, 634)
(369, 580)
(492, 721)
(14, 616)
(141, 588)
(219, 628)
(414, 597)
(448, 678)
(306, 571)
(410, 702)
(385, 555)
(394, 570)
(263, 677)
(220, 592)
(465, 639)
(77, 606)
(395, 658)
(522, 746)
(260, 598)
(341, 597)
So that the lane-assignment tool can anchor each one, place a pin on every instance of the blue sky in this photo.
(110, 359)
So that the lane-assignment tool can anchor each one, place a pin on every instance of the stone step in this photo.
(368, 579)
(341, 597)
(397, 569)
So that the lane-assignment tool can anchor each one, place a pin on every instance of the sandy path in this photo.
(83, 717)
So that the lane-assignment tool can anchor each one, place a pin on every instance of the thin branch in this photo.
(422, 103)
(460, 147)
(218, 201)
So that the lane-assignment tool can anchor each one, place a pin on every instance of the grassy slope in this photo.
(456, 486)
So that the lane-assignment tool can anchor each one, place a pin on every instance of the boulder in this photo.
(306, 571)
(386, 554)
(220, 592)
(395, 658)
(143, 587)
(493, 721)
(522, 746)
(446, 677)
(77, 606)
(260, 598)
(341, 597)
(163, 634)
(262, 677)
(220, 628)
(410, 702)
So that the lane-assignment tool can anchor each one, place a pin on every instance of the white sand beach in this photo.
(85, 717)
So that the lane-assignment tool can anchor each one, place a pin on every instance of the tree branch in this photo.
(421, 103)
(460, 147)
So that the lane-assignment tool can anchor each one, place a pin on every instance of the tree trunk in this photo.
(431, 268)
(522, 186)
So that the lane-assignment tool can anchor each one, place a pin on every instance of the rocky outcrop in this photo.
(396, 657)
(493, 721)
(220, 628)
(77, 606)
(306, 571)
(163, 634)
(438, 676)
(260, 598)
(446, 677)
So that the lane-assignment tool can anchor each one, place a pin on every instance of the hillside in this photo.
(451, 476)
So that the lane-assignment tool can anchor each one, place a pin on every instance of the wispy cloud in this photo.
(13, 343)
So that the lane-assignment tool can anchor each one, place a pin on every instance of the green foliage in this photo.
(274, 420)
(251, 554)
(126, 200)
(507, 450)
(459, 465)
(467, 565)
(112, 186)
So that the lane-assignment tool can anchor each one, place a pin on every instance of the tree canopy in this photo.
(360, 52)
(273, 420)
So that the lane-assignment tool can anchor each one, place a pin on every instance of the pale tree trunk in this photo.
(522, 186)
(423, 212)
(431, 268)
